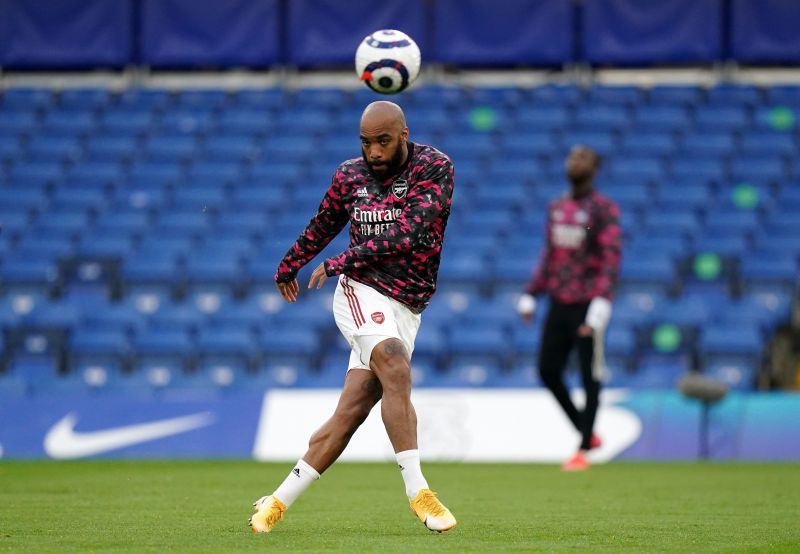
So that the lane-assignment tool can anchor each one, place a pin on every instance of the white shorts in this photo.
(366, 317)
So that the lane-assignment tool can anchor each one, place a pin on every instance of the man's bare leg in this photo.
(390, 363)
(360, 393)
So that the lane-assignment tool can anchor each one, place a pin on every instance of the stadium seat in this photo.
(739, 339)
(738, 375)
(165, 345)
(487, 345)
(223, 346)
(672, 95)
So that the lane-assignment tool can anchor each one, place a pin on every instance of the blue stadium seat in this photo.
(757, 268)
(681, 221)
(10, 148)
(170, 148)
(35, 172)
(184, 316)
(155, 171)
(698, 168)
(686, 312)
(230, 147)
(648, 144)
(711, 144)
(767, 144)
(721, 243)
(23, 197)
(286, 346)
(145, 98)
(733, 95)
(47, 148)
(733, 373)
(734, 222)
(222, 345)
(739, 339)
(662, 119)
(621, 344)
(556, 94)
(672, 195)
(216, 170)
(658, 271)
(90, 346)
(214, 267)
(84, 98)
(674, 95)
(538, 118)
(782, 94)
(124, 124)
(602, 117)
(615, 95)
(429, 346)
(158, 270)
(635, 309)
(204, 99)
(758, 167)
(600, 140)
(68, 122)
(246, 121)
(658, 373)
(642, 168)
(714, 118)
(20, 98)
(530, 143)
(186, 121)
(487, 345)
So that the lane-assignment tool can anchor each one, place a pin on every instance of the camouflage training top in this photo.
(582, 254)
(396, 226)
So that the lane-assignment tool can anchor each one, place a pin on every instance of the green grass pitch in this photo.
(138, 506)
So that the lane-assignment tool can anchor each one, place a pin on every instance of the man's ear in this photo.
(404, 134)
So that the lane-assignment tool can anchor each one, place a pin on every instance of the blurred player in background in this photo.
(578, 270)
(397, 201)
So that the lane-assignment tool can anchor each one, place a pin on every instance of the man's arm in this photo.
(330, 219)
(609, 239)
(609, 244)
(420, 218)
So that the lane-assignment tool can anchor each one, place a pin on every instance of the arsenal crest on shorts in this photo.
(400, 188)
(378, 318)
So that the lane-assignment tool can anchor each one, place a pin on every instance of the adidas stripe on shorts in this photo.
(366, 317)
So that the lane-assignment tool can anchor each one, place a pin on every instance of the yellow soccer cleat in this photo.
(269, 511)
(432, 512)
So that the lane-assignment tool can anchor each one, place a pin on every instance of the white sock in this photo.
(295, 484)
(408, 461)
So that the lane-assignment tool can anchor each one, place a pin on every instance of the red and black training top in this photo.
(582, 255)
(396, 226)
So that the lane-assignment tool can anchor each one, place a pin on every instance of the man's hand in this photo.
(318, 277)
(289, 290)
(526, 306)
(597, 316)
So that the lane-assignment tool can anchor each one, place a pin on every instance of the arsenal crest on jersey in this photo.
(400, 188)
(378, 317)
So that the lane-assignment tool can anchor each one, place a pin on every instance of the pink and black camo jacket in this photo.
(582, 255)
(396, 227)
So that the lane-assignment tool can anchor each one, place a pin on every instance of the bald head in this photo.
(384, 136)
(383, 114)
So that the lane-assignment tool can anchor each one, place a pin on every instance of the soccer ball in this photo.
(388, 61)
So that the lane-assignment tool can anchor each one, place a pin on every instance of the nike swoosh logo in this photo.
(64, 442)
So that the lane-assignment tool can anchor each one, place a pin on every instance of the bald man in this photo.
(396, 197)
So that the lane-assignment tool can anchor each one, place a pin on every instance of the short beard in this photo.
(392, 166)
